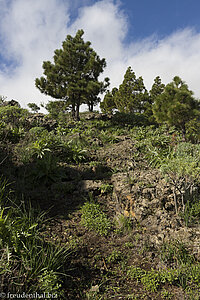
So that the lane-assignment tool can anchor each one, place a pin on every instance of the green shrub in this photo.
(175, 252)
(28, 262)
(185, 276)
(107, 137)
(155, 144)
(46, 170)
(13, 115)
(193, 130)
(75, 152)
(191, 213)
(106, 188)
(132, 119)
(37, 132)
(49, 282)
(93, 218)
(115, 257)
(182, 169)
(123, 224)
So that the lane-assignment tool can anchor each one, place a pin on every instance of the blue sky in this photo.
(154, 37)
(147, 17)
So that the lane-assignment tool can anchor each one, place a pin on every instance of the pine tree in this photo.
(108, 103)
(131, 95)
(34, 107)
(157, 88)
(96, 88)
(176, 105)
(73, 76)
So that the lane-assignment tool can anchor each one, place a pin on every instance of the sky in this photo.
(156, 38)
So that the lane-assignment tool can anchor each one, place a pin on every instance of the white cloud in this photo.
(31, 30)
(177, 54)
(107, 27)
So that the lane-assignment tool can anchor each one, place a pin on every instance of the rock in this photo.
(40, 119)
(95, 116)
(93, 186)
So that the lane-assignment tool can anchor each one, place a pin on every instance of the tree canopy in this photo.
(176, 105)
(34, 107)
(73, 76)
(108, 103)
(131, 94)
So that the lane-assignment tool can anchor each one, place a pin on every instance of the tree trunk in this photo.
(77, 116)
(73, 111)
(91, 107)
(184, 134)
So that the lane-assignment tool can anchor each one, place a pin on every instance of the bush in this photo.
(155, 144)
(182, 169)
(132, 119)
(46, 170)
(27, 262)
(186, 276)
(37, 131)
(13, 115)
(94, 219)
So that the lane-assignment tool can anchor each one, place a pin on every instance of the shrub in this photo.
(46, 170)
(182, 170)
(13, 115)
(28, 262)
(93, 218)
(186, 276)
(132, 119)
(155, 144)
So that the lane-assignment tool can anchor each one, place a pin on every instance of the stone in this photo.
(90, 186)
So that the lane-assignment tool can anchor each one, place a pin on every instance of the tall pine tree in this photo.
(73, 76)
(131, 95)
(176, 105)
(156, 90)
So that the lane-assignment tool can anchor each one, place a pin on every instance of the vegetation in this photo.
(107, 207)
(74, 75)
(34, 107)
(176, 105)
(93, 218)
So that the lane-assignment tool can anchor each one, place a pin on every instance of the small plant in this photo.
(106, 188)
(191, 213)
(165, 294)
(28, 262)
(39, 148)
(46, 170)
(186, 276)
(37, 132)
(176, 253)
(106, 137)
(123, 224)
(76, 153)
(49, 282)
(95, 219)
(114, 257)
(129, 245)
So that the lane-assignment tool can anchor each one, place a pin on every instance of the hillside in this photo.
(98, 209)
